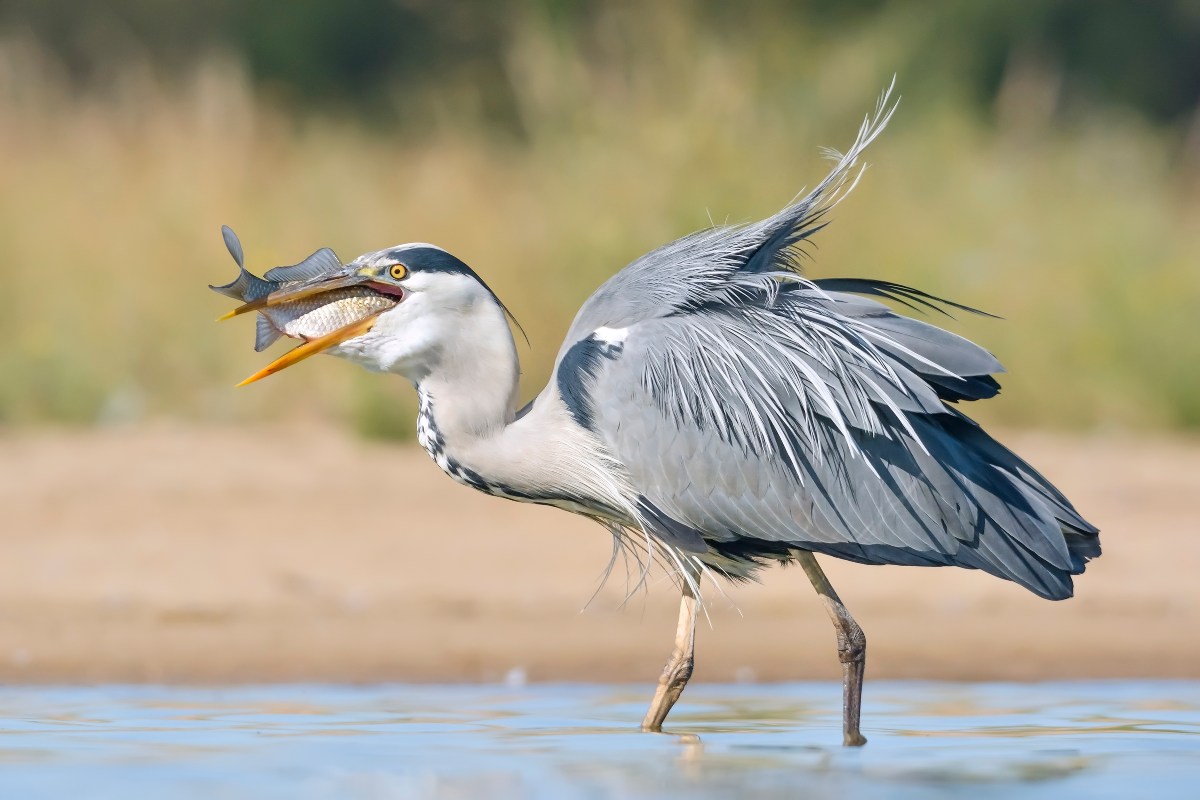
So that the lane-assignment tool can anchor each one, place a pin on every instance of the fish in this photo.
(312, 318)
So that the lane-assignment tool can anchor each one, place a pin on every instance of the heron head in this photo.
(442, 308)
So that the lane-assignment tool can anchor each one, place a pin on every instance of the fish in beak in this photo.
(320, 301)
(285, 292)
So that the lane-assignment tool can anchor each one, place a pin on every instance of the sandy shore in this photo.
(250, 555)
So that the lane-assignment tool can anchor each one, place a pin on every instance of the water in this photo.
(1053, 740)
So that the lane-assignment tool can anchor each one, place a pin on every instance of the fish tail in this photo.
(246, 287)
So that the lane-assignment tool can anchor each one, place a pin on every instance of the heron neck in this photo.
(466, 428)
(472, 394)
(467, 423)
(467, 384)
(445, 426)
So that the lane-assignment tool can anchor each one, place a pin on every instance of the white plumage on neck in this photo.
(451, 339)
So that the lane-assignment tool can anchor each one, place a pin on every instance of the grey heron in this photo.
(712, 406)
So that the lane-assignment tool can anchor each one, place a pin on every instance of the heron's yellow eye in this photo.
(398, 272)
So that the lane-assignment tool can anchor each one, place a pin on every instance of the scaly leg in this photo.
(852, 650)
(679, 667)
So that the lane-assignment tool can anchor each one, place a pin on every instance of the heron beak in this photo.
(308, 289)
(314, 346)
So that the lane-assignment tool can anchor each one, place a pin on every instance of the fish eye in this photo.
(398, 272)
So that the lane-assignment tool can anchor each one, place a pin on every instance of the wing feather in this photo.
(767, 412)
(757, 455)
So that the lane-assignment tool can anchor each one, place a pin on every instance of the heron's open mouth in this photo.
(388, 289)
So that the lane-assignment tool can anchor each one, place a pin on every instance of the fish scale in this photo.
(318, 315)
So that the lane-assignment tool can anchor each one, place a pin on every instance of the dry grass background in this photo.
(1080, 232)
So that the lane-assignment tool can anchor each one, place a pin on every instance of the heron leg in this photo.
(852, 649)
(678, 670)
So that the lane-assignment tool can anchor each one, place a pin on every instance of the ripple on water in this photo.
(1094, 739)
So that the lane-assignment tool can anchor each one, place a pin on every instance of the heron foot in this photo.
(670, 686)
(852, 650)
(678, 670)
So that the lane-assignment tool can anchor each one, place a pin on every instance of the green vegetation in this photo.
(1076, 223)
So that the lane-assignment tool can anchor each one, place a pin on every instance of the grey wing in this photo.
(686, 273)
(764, 412)
(757, 457)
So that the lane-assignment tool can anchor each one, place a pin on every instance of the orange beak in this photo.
(312, 347)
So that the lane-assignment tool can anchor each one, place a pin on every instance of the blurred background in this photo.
(1044, 165)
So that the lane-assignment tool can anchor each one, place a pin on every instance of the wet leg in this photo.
(678, 670)
(852, 650)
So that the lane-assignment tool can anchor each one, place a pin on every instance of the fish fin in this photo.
(322, 262)
(234, 245)
(265, 333)
(246, 287)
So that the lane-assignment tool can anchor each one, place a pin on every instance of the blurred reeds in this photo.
(1082, 233)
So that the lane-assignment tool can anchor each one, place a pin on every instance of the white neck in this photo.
(472, 388)
(467, 383)
(451, 339)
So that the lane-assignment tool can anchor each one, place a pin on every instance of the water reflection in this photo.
(1095, 739)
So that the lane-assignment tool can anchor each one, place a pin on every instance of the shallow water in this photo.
(1094, 739)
